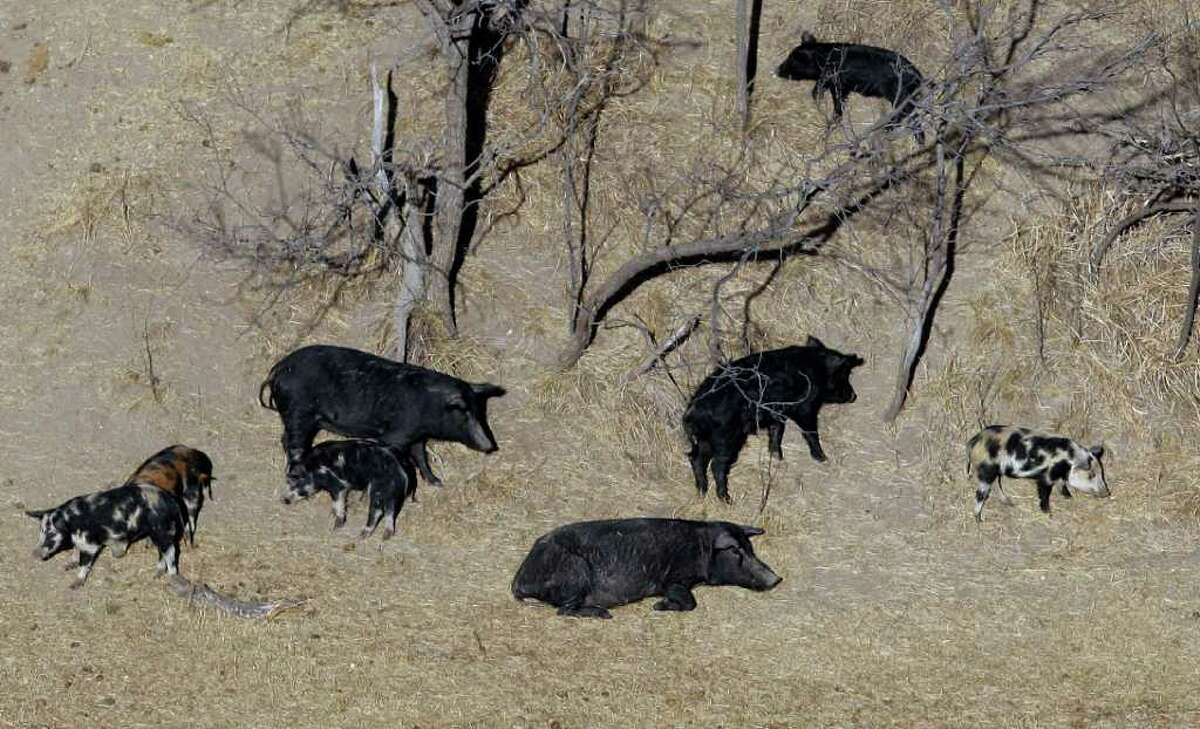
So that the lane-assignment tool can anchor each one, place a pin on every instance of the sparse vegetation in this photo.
(138, 315)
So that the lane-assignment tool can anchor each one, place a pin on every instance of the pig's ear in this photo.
(724, 540)
(1097, 451)
(750, 531)
(37, 514)
(807, 39)
(813, 341)
(487, 390)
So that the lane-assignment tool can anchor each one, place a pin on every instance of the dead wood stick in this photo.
(1128, 222)
(198, 593)
(669, 344)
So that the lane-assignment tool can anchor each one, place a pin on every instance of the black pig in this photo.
(336, 467)
(842, 68)
(587, 567)
(359, 395)
(763, 390)
(117, 518)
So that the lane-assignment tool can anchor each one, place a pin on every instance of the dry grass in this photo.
(896, 609)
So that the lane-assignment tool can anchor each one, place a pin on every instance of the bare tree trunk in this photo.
(939, 268)
(388, 218)
(1189, 317)
(748, 18)
(456, 163)
(472, 48)
(413, 264)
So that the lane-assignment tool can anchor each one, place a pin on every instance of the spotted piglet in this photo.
(387, 476)
(1003, 450)
(114, 518)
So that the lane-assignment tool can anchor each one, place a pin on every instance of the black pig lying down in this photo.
(336, 467)
(842, 68)
(114, 518)
(587, 567)
(359, 395)
(763, 390)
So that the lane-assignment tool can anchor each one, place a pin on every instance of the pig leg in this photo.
(383, 505)
(1003, 494)
(299, 430)
(818, 89)
(1062, 489)
(374, 516)
(808, 428)
(725, 455)
(1045, 488)
(987, 473)
(775, 439)
(168, 556)
(580, 610)
(339, 509)
(420, 457)
(721, 466)
(700, 457)
(87, 559)
(839, 99)
(678, 597)
(389, 528)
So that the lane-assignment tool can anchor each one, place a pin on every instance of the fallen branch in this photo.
(202, 594)
(1129, 222)
(679, 337)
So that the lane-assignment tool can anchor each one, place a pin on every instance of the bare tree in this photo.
(994, 100)
(1155, 156)
(410, 208)
(470, 35)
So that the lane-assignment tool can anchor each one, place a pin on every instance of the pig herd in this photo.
(389, 411)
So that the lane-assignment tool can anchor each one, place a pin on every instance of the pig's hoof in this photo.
(75, 584)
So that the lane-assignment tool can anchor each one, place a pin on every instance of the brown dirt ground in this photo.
(896, 609)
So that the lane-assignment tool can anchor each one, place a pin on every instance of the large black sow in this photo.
(360, 395)
(587, 567)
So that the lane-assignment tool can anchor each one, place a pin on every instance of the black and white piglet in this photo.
(1004, 450)
(337, 467)
(114, 518)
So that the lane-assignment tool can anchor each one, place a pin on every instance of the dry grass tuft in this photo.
(123, 199)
